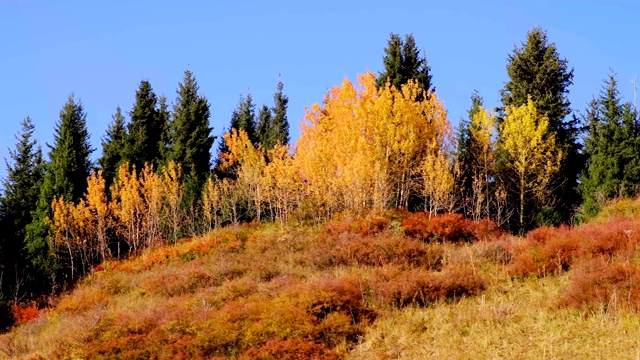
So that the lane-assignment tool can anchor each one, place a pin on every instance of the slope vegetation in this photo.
(388, 286)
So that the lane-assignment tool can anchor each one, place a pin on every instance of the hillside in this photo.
(388, 286)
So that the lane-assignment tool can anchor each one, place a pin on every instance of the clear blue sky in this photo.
(100, 50)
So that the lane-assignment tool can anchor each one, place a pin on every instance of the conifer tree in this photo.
(145, 129)
(20, 195)
(113, 144)
(166, 136)
(464, 156)
(264, 125)
(611, 147)
(536, 71)
(191, 138)
(65, 175)
(279, 123)
(242, 118)
(403, 62)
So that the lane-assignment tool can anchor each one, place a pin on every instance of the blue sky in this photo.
(100, 50)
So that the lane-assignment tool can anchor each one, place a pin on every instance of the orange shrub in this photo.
(23, 313)
(292, 349)
(599, 285)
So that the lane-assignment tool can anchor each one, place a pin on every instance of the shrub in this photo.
(291, 349)
(23, 313)
(601, 285)
(448, 227)
(418, 286)
(382, 249)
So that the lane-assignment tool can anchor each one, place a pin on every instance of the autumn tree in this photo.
(21, 188)
(281, 183)
(65, 176)
(363, 147)
(403, 62)
(113, 144)
(531, 159)
(248, 165)
(243, 118)
(537, 71)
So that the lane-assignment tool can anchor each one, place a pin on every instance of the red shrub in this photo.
(326, 296)
(23, 313)
(382, 249)
(421, 287)
(292, 349)
(552, 250)
(447, 227)
(600, 285)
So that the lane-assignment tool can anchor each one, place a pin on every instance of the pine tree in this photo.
(113, 144)
(611, 147)
(403, 62)
(464, 156)
(536, 71)
(145, 129)
(166, 136)
(191, 135)
(242, 118)
(279, 123)
(264, 126)
(65, 175)
(20, 195)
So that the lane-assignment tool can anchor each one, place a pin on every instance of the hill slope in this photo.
(393, 286)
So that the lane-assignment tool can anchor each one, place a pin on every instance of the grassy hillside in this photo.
(391, 286)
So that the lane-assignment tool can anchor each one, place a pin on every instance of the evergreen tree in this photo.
(191, 138)
(403, 62)
(273, 126)
(20, 195)
(611, 146)
(243, 117)
(465, 157)
(536, 71)
(145, 130)
(264, 126)
(113, 144)
(166, 135)
(65, 175)
(279, 123)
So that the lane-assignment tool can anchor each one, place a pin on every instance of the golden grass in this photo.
(242, 292)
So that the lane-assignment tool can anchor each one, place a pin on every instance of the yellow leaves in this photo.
(532, 151)
(532, 154)
(364, 147)
(438, 180)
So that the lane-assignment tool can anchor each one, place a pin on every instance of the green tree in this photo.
(536, 71)
(465, 158)
(113, 144)
(264, 125)
(145, 130)
(242, 118)
(191, 138)
(273, 125)
(611, 146)
(25, 171)
(65, 175)
(403, 62)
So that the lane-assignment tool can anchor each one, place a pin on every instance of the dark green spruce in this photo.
(65, 175)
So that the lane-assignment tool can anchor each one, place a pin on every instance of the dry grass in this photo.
(355, 288)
